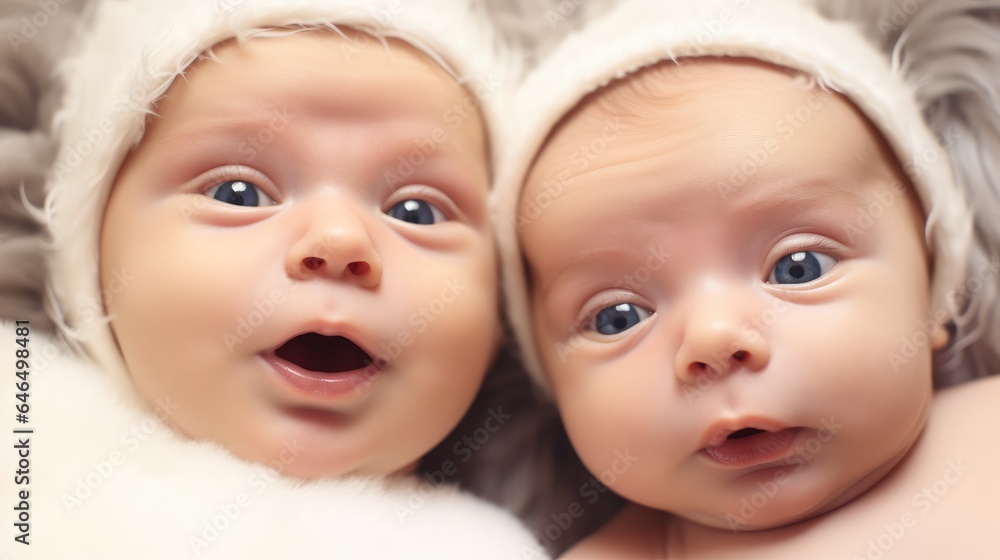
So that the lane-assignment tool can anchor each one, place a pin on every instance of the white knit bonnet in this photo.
(787, 33)
(128, 54)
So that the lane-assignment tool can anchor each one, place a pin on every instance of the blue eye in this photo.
(801, 267)
(240, 193)
(618, 318)
(417, 212)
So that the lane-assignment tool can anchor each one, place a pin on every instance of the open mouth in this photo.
(745, 432)
(325, 354)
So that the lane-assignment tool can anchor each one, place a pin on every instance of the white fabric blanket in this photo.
(105, 478)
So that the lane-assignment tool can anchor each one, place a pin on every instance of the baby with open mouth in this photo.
(275, 292)
(270, 224)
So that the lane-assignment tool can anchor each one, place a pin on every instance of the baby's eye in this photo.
(618, 318)
(417, 212)
(801, 267)
(240, 193)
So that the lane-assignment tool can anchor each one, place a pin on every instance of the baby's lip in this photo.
(319, 353)
(326, 365)
(756, 447)
(720, 431)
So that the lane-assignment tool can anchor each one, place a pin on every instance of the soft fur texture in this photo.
(108, 479)
(28, 95)
(787, 33)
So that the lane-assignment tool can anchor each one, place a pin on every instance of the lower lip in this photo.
(754, 450)
(321, 384)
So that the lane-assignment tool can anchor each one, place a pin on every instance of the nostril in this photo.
(740, 355)
(359, 268)
(312, 263)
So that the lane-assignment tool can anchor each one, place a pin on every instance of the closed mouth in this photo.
(751, 446)
(324, 354)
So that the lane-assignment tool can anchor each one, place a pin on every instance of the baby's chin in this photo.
(298, 455)
(773, 505)
(760, 512)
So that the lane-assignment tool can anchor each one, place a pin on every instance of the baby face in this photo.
(311, 273)
(730, 293)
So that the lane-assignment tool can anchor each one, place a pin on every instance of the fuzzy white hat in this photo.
(787, 33)
(127, 56)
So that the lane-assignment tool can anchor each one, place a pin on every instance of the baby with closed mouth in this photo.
(742, 285)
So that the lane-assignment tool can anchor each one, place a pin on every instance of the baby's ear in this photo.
(940, 336)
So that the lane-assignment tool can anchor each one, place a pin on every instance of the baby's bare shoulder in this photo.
(963, 421)
(949, 488)
(981, 392)
(635, 532)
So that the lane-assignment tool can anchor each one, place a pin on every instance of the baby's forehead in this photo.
(379, 63)
(719, 110)
(345, 77)
(666, 93)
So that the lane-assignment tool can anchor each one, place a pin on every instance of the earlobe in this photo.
(939, 336)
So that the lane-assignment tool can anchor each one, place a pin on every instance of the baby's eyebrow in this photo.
(412, 136)
(246, 126)
(770, 204)
(586, 260)
(784, 197)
